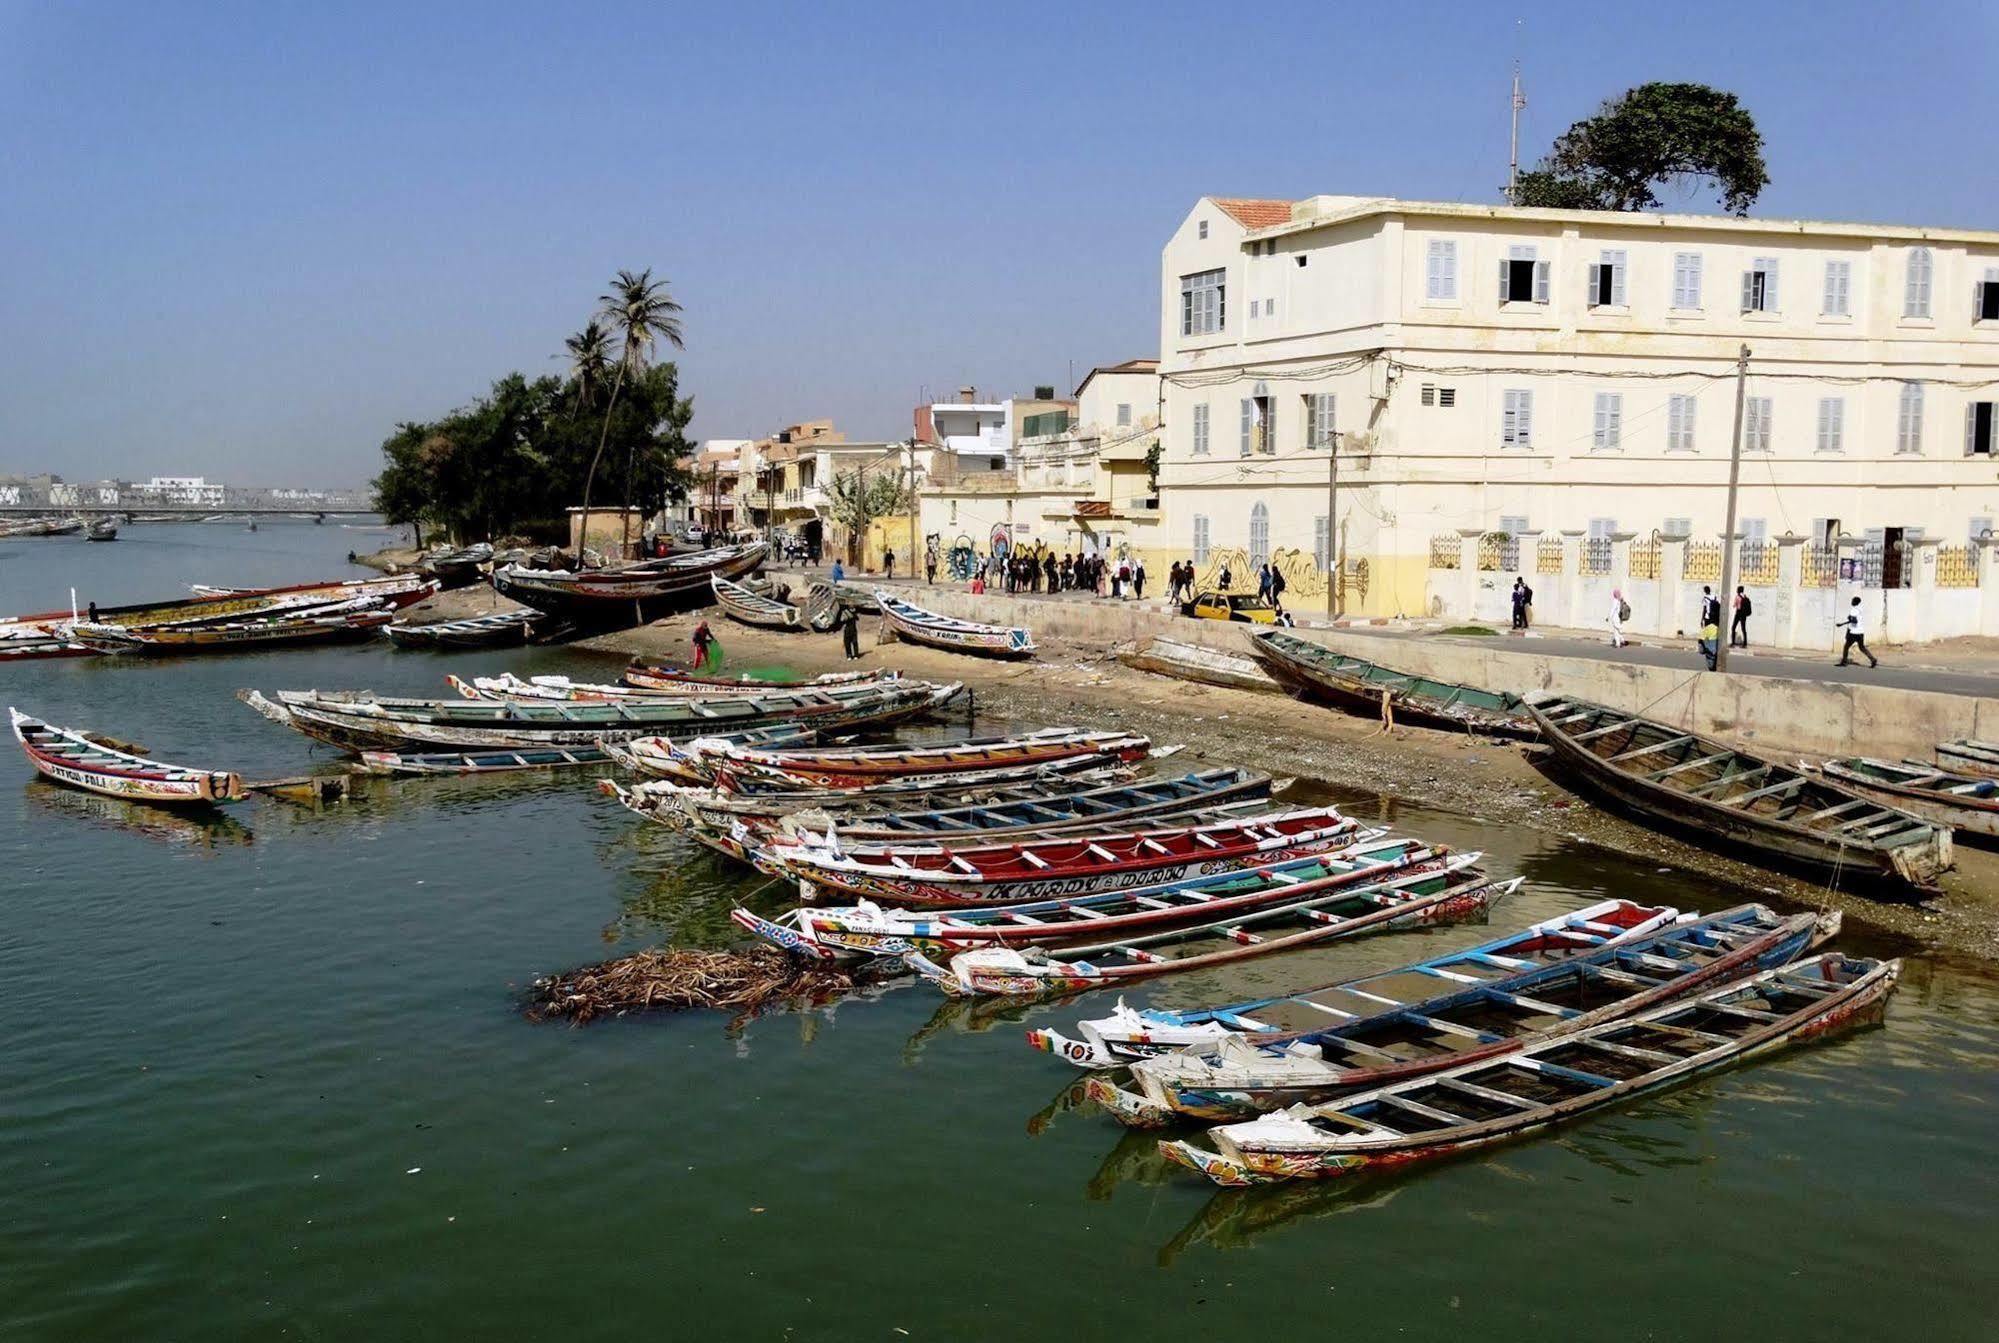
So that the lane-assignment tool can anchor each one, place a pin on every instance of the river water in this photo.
(267, 1077)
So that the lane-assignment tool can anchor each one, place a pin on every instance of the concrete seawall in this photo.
(1769, 714)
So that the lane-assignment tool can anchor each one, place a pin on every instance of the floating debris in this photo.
(677, 978)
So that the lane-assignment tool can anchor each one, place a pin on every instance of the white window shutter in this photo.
(1526, 418)
(1541, 281)
(1617, 282)
(1770, 288)
(1694, 265)
(1505, 274)
(1450, 271)
(1248, 418)
(1749, 291)
(1970, 427)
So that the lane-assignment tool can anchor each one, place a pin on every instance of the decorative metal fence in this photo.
(1645, 559)
(1596, 556)
(1548, 555)
(1957, 566)
(1498, 551)
(1703, 562)
(1445, 551)
(1820, 568)
(1757, 564)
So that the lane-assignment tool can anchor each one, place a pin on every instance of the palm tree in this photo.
(640, 312)
(589, 360)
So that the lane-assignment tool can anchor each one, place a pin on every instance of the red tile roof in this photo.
(1255, 213)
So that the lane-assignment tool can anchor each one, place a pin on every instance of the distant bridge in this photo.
(194, 501)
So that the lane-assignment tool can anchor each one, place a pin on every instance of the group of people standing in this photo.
(1047, 572)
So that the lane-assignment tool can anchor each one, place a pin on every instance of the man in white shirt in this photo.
(1854, 637)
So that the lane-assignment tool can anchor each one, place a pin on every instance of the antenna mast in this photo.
(1513, 139)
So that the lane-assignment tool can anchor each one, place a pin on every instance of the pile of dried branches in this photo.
(674, 978)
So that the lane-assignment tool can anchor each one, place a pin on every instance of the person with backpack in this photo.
(1738, 629)
(1855, 637)
(1277, 586)
(1620, 611)
(1523, 597)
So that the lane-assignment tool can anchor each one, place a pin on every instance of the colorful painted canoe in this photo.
(1447, 888)
(1741, 804)
(1964, 802)
(289, 629)
(1130, 1034)
(490, 631)
(674, 680)
(1004, 873)
(1525, 1093)
(1970, 757)
(629, 594)
(363, 722)
(70, 757)
(753, 608)
(857, 766)
(1315, 672)
(215, 605)
(663, 758)
(1388, 1040)
(483, 762)
(869, 930)
(914, 623)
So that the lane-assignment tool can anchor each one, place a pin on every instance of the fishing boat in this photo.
(399, 590)
(1524, 1093)
(753, 608)
(628, 594)
(103, 529)
(677, 681)
(835, 933)
(910, 621)
(364, 722)
(1314, 672)
(73, 758)
(1447, 888)
(41, 527)
(289, 629)
(824, 603)
(489, 631)
(508, 686)
(459, 568)
(663, 758)
(1384, 1039)
(933, 874)
(1129, 1034)
(1195, 662)
(854, 766)
(1970, 757)
(25, 645)
(1964, 802)
(1740, 803)
(218, 605)
(482, 762)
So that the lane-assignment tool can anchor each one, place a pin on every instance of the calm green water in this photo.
(267, 1078)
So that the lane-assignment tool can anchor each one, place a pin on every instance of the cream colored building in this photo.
(1081, 484)
(1546, 372)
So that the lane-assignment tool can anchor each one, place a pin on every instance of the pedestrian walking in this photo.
(1855, 638)
(1263, 582)
(1228, 579)
(1620, 611)
(1738, 628)
(930, 567)
(1710, 608)
(839, 572)
(888, 563)
(1277, 586)
(1523, 597)
(1710, 644)
(850, 632)
(1138, 581)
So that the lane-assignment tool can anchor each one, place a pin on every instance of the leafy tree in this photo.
(641, 312)
(858, 497)
(1655, 133)
(589, 360)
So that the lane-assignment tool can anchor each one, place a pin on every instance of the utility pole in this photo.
(1333, 528)
(770, 500)
(1728, 527)
(912, 505)
(1513, 140)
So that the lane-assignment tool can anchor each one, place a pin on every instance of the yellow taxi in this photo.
(1230, 606)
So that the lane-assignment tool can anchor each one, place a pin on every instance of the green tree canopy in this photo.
(857, 498)
(1655, 133)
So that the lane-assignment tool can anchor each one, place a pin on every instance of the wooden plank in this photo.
(1596, 732)
(1789, 785)
(1653, 750)
(1656, 775)
(1741, 776)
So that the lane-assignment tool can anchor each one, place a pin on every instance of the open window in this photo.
(1978, 428)
(1523, 277)
(1759, 285)
(1985, 298)
(1606, 281)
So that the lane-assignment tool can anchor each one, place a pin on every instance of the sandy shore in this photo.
(1497, 782)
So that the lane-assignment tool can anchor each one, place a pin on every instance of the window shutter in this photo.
(1770, 286)
(1509, 423)
(1749, 291)
(1616, 421)
(1505, 274)
(1248, 417)
(1970, 427)
(1541, 281)
(1524, 420)
(1432, 282)
(1449, 258)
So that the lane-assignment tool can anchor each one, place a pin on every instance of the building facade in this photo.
(1531, 374)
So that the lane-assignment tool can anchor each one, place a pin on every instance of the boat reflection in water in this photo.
(1235, 1219)
(202, 828)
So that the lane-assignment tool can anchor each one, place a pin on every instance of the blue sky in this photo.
(245, 239)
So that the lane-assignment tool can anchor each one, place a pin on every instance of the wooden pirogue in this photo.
(852, 767)
(1965, 802)
(1970, 757)
(1444, 888)
(1313, 671)
(753, 608)
(914, 623)
(489, 631)
(933, 874)
(1521, 1094)
(676, 681)
(1384, 1039)
(482, 762)
(629, 594)
(1748, 806)
(869, 930)
(1194, 662)
(1129, 1034)
(362, 722)
(70, 757)
(283, 630)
